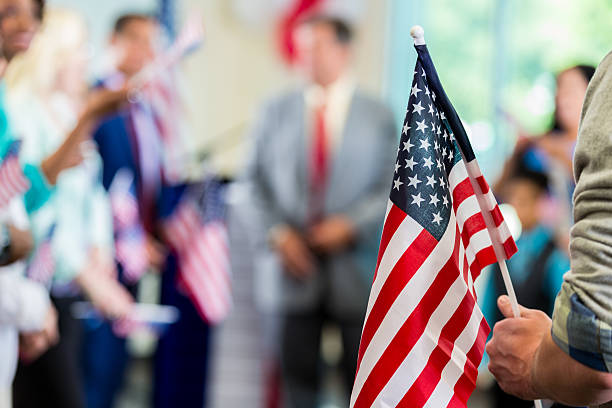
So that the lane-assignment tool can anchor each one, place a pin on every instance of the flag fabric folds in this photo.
(12, 179)
(197, 231)
(424, 335)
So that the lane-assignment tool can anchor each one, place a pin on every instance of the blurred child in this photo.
(553, 151)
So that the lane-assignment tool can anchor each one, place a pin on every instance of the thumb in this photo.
(505, 307)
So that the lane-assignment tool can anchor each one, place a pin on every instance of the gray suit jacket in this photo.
(358, 187)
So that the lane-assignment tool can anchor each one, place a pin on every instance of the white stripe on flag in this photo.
(404, 305)
(402, 238)
(416, 360)
(453, 370)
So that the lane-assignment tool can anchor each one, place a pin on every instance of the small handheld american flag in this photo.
(197, 231)
(12, 179)
(41, 265)
(424, 334)
(130, 238)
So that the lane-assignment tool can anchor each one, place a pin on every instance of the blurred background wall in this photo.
(497, 59)
(240, 64)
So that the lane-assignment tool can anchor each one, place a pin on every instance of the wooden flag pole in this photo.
(418, 34)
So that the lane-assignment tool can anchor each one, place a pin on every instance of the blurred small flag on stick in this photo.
(12, 179)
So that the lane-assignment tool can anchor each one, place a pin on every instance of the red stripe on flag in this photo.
(402, 272)
(426, 383)
(461, 192)
(474, 224)
(482, 183)
(467, 382)
(392, 223)
(484, 257)
(497, 216)
(510, 247)
(410, 332)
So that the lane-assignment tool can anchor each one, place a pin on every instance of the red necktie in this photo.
(318, 165)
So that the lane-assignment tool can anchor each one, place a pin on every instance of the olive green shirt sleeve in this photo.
(583, 310)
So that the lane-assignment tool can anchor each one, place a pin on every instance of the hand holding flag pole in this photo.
(418, 35)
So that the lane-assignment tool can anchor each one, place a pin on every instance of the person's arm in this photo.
(255, 172)
(367, 214)
(23, 303)
(100, 221)
(20, 245)
(44, 176)
(559, 377)
(283, 237)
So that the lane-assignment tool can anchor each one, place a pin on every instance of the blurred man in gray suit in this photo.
(321, 173)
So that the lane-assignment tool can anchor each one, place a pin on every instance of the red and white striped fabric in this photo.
(423, 327)
(12, 179)
(131, 253)
(130, 237)
(204, 265)
(124, 208)
(167, 108)
(42, 265)
(424, 335)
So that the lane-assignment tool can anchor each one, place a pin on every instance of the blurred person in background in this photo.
(24, 305)
(319, 179)
(553, 152)
(130, 141)
(569, 358)
(48, 82)
(537, 269)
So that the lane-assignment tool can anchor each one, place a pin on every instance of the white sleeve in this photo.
(23, 303)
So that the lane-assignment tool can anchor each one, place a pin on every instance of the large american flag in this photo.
(12, 179)
(197, 231)
(424, 334)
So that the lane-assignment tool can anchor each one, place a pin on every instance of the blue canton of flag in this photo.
(426, 155)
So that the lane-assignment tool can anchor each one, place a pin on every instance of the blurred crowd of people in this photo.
(85, 193)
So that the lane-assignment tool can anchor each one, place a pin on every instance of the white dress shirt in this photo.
(336, 99)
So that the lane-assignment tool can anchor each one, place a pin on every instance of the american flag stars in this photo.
(421, 126)
(427, 153)
(417, 107)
